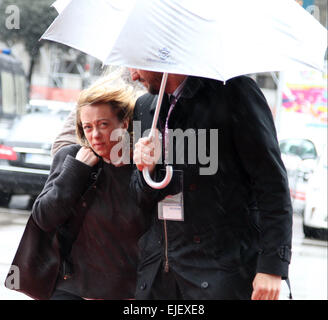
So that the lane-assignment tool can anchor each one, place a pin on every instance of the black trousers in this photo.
(63, 295)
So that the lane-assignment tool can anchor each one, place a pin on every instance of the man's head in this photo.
(152, 80)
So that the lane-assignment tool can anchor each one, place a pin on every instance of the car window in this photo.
(307, 150)
(290, 146)
(48, 106)
(36, 128)
(298, 147)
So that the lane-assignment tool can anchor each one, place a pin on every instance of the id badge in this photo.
(171, 208)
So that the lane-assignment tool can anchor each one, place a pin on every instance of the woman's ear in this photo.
(125, 124)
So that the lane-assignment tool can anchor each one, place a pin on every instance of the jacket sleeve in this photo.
(67, 181)
(145, 196)
(257, 146)
(67, 136)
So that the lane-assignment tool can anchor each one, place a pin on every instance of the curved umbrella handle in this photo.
(169, 169)
(158, 185)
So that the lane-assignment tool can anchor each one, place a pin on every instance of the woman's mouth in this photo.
(98, 145)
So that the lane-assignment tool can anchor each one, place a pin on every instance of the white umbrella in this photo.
(60, 5)
(214, 39)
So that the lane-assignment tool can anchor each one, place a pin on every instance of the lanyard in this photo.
(174, 100)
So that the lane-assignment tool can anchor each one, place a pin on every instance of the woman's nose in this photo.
(96, 133)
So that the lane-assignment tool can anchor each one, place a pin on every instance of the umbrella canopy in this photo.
(214, 39)
(60, 5)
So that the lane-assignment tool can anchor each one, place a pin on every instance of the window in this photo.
(302, 148)
(291, 146)
(308, 150)
(21, 94)
(8, 93)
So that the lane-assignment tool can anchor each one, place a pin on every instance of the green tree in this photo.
(34, 17)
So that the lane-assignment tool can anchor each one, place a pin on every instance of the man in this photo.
(231, 236)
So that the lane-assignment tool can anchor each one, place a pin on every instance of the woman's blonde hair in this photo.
(114, 92)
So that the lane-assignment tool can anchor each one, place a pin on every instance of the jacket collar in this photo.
(193, 84)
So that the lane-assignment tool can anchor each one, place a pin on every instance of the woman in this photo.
(86, 201)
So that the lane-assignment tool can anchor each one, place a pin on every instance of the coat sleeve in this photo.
(256, 143)
(67, 182)
(145, 196)
(67, 136)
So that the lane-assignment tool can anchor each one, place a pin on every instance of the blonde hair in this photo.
(114, 92)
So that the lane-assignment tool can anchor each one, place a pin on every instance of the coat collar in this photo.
(193, 84)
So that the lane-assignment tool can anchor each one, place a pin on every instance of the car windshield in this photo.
(302, 148)
(48, 106)
(37, 127)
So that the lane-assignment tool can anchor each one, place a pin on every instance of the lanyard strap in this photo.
(174, 100)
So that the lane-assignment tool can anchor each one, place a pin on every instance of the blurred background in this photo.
(40, 82)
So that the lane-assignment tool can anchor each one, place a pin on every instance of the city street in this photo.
(308, 270)
(233, 99)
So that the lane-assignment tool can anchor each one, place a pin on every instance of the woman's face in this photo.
(98, 123)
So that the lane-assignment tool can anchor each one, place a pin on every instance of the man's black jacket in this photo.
(238, 219)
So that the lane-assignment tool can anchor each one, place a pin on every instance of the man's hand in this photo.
(266, 287)
(147, 152)
(87, 156)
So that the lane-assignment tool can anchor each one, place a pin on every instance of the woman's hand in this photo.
(87, 156)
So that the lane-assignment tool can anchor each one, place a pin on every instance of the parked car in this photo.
(46, 106)
(300, 157)
(13, 91)
(25, 157)
(315, 218)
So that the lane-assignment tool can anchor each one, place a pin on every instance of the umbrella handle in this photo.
(169, 170)
(158, 185)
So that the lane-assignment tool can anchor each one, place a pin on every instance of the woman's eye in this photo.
(86, 128)
(103, 124)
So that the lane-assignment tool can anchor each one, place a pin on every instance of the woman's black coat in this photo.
(96, 222)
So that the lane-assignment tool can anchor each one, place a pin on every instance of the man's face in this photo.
(150, 79)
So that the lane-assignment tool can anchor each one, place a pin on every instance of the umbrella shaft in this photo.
(159, 103)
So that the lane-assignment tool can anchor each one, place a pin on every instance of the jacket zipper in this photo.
(166, 263)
